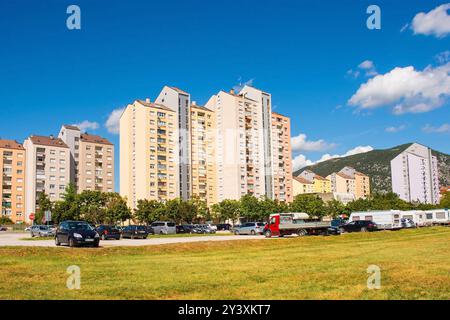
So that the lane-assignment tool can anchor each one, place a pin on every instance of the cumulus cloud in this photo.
(300, 161)
(301, 143)
(406, 90)
(87, 125)
(436, 22)
(445, 128)
(367, 67)
(443, 57)
(113, 121)
(395, 129)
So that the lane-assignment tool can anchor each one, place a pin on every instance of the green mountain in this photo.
(376, 164)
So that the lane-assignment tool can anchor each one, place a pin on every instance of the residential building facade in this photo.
(12, 180)
(415, 176)
(282, 157)
(342, 183)
(320, 184)
(203, 161)
(301, 185)
(91, 158)
(47, 170)
(362, 182)
(180, 102)
(148, 153)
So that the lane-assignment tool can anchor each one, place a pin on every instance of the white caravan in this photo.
(389, 219)
(438, 216)
(417, 216)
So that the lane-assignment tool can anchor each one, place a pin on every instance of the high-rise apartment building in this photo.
(91, 158)
(180, 102)
(203, 161)
(240, 151)
(47, 170)
(282, 157)
(415, 175)
(12, 180)
(148, 153)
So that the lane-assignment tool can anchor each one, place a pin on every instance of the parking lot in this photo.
(16, 240)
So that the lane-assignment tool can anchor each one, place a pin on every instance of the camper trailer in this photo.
(438, 217)
(385, 220)
(417, 216)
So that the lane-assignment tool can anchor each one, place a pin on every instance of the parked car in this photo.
(150, 230)
(76, 233)
(224, 227)
(252, 228)
(134, 232)
(164, 227)
(203, 229)
(108, 232)
(358, 226)
(42, 231)
(186, 228)
(212, 226)
(3, 228)
(408, 223)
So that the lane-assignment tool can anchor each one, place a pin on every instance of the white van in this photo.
(385, 220)
(438, 216)
(417, 216)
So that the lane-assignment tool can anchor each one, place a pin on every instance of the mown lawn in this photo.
(415, 264)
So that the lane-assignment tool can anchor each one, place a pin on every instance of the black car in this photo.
(186, 228)
(224, 227)
(150, 230)
(76, 233)
(134, 232)
(358, 226)
(108, 232)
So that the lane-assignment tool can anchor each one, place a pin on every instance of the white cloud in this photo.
(367, 66)
(406, 90)
(300, 161)
(445, 128)
(443, 57)
(395, 129)
(436, 22)
(87, 125)
(113, 121)
(301, 143)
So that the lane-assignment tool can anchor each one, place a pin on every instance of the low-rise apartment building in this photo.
(362, 182)
(148, 153)
(301, 185)
(320, 184)
(47, 170)
(92, 160)
(12, 180)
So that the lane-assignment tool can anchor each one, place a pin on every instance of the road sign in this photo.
(31, 216)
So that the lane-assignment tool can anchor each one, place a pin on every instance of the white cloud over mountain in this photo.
(301, 143)
(406, 90)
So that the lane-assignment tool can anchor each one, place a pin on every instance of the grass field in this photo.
(415, 264)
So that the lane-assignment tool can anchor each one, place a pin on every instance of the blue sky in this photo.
(306, 53)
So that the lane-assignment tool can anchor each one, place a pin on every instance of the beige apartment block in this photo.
(92, 160)
(12, 180)
(47, 170)
(148, 152)
(240, 146)
(362, 182)
(342, 183)
(282, 157)
(203, 165)
(301, 186)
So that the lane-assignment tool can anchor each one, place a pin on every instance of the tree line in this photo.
(110, 208)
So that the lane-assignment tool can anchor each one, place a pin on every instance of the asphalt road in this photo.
(14, 240)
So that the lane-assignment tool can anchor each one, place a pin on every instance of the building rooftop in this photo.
(94, 139)
(71, 127)
(11, 144)
(320, 177)
(302, 180)
(179, 90)
(154, 105)
(200, 107)
(344, 175)
(48, 141)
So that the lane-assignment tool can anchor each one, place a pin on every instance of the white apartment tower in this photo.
(180, 102)
(47, 170)
(415, 175)
(243, 136)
